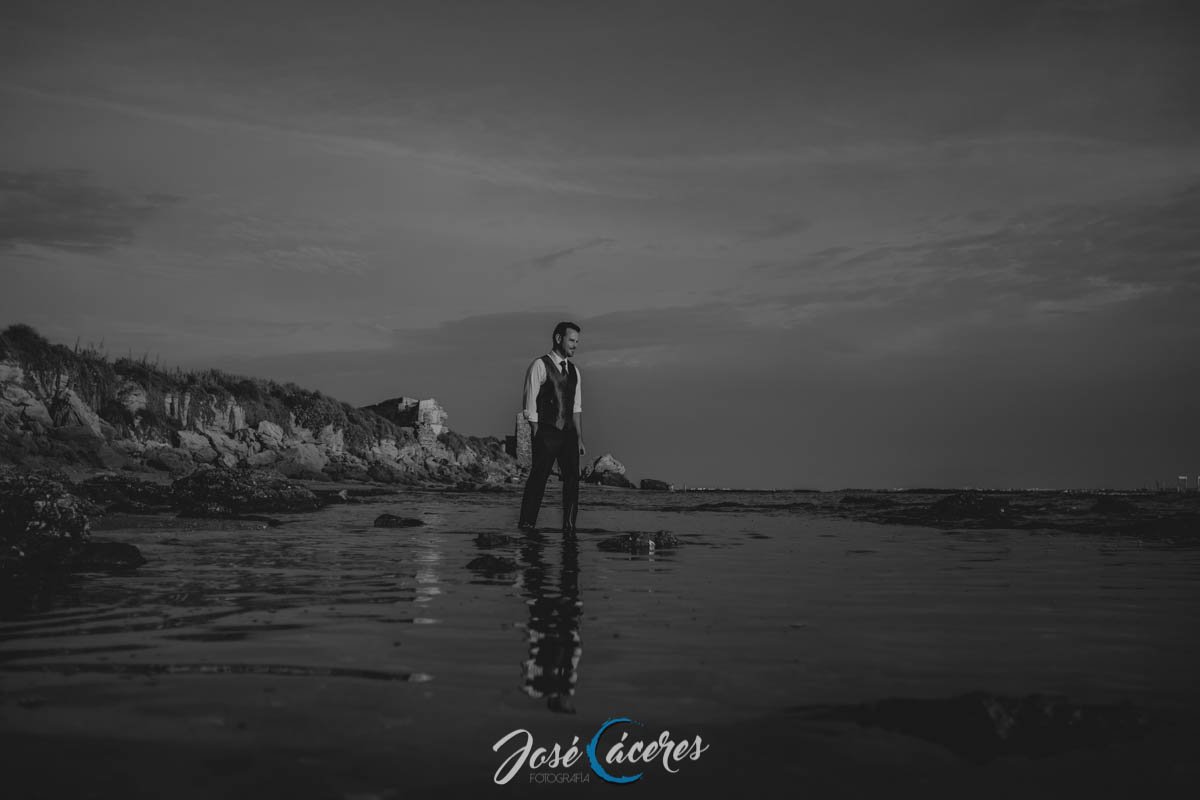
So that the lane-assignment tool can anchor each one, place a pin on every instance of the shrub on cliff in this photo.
(366, 428)
(314, 410)
(52, 370)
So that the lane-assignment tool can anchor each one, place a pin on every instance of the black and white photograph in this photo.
(575, 398)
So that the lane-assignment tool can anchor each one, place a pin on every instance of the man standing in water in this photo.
(553, 407)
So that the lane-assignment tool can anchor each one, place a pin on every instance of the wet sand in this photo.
(329, 658)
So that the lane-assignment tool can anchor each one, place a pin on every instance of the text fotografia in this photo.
(559, 777)
(616, 759)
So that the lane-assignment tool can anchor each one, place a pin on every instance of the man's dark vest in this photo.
(556, 398)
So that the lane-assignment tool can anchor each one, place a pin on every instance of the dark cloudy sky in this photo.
(816, 244)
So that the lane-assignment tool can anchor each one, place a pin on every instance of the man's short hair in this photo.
(561, 330)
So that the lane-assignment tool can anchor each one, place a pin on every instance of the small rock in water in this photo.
(493, 540)
(640, 542)
(490, 564)
(393, 521)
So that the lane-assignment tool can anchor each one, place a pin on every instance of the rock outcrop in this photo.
(393, 521)
(40, 521)
(606, 463)
(63, 407)
(220, 491)
(640, 542)
(489, 565)
(44, 526)
(124, 494)
(607, 471)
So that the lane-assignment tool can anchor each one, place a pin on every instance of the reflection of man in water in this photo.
(553, 407)
(555, 645)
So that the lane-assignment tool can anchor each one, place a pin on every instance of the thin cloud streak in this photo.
(544, 262)
(506, 173)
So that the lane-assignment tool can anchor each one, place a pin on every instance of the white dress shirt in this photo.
(536, 376)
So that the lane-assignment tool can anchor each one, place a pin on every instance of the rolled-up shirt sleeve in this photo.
(534, 377)
(578, 392)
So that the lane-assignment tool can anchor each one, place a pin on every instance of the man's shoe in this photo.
(560, 703)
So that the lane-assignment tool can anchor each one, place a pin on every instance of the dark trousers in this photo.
(551, 445)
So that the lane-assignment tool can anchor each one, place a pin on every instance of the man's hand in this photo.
(533, 428)
(582, 449)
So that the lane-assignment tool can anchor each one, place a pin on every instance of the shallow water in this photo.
(361, 660)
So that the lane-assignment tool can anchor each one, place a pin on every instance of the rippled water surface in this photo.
(329, 640)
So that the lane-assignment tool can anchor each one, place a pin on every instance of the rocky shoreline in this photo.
(83, 436)
(73, 409)
(1165, 518)
(46, 518)
(62, 408)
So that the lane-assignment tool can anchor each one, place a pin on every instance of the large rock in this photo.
(386, 472)
(270, 434)
(82, 414)
(240, 491)
(652, 485)
(227, 445)
(174, 460)
(264, 458)
(606, 463)
(607, 471)
(197, 445)
(17, 402)
(302, 460)
(41, 523)
(347, 468)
